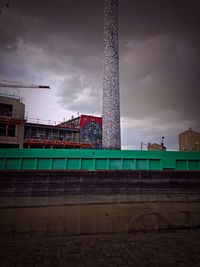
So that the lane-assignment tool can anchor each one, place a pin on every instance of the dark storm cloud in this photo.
(163, 76)
(159, 59)
(160, 62)
(146, 19)
(75, 20)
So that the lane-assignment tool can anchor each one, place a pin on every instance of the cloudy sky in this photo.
(60, 44)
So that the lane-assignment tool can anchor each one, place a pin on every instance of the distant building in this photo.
(84, 131)
(155, 146)
(90, 128)
(11, 122)
(189, 141)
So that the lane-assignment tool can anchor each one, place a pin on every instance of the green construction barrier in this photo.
(80, 159)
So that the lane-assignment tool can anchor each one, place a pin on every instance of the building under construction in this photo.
(11, 122)
(85, 131)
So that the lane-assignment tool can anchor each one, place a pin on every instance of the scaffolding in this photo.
(30, 143)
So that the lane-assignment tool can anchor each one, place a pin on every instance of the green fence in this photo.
(75, 159)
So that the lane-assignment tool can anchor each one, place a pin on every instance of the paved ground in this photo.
(112, 250)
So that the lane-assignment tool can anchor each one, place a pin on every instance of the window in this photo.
(11, 129)
(6, 110)
(2, 129)
(7, 129)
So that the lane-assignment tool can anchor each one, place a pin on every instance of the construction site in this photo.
(16, 131)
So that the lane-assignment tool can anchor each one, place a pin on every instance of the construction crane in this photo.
(9, 84)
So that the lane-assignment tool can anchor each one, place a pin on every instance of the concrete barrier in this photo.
(100, 218)
(83, 202)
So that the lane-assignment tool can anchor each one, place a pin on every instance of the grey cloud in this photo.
(76, 94)
(156, 77)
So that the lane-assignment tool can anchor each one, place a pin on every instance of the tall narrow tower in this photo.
(111, 96)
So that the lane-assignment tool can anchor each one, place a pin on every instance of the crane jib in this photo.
(24, 86)
(44, 87)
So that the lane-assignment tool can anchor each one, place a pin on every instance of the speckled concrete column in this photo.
(111, 96)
